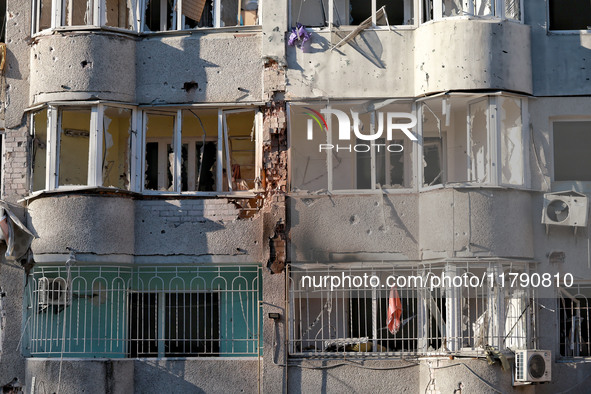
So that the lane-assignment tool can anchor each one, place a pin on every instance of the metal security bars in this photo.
(575, 312)
(434, 315)
(119, 312)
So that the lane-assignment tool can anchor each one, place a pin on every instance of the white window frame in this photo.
(494, 130)
(408, 14)
(222, 154)
(95, 175)
(497, 8)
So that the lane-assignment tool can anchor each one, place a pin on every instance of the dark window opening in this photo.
(188, 325)
(571, 15)
(154, 20)
(572, 151)
(433, 161)
(361, 10)
(152, 165)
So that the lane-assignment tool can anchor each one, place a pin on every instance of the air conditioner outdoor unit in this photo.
(54, 291)
(565, 209)
(533, 365)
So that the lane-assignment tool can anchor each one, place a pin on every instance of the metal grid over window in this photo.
(353, 319)
(112, 311)
(575, 313)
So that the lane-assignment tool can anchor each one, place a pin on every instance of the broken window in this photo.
(158, 15)
(575, 317)
(120, 13)
(383, 317)
(42, 17)
(199, 150)
(239, 131)
(315, 13)
(572, 158)
(460, 133)
(369, 159)
(111, 311)
(73, 146)
(504, 9)
(116, 158)
(211, 145)
(571, 15)
(159, 153)
(78, 13)
(39, 150)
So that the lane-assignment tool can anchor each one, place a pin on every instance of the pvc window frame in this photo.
(99, 16)
(330, 23)
(494, 130)
(222, 156)
(496, 5)
(95, 175)
(178, 18)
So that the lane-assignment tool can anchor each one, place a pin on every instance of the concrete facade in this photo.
(301, 210)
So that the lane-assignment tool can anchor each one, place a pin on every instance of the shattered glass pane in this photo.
(154, 17)
(197, 13)
(483, 8)
(432, 161)
(117, 147)
(478, 139)
(241, 146)
(39, 150)
(513, 9)
(199, 139)
(159, 156)
(512, 161)
(74, 137)
(452, 8)
(78, 12)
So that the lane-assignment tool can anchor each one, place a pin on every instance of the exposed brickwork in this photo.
(14, 186)
(190, 211)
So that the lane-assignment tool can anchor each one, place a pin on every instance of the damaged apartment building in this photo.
(174, 170)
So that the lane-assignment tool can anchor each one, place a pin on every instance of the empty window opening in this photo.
(39, 150)
(239, 169)
(73, 142)
(571, 15)
(572, 153)
(433, 161)
(158, 16)
(160, 158)
(199, 150)
(116, 160)
(478, 126)
(2, 20)
(78, 13)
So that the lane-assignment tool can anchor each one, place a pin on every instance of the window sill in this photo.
(568, 32)
(134, 33)
(494, 19)
(350, 28)
(111, 191)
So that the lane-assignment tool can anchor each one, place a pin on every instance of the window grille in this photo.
(575, 307)
(352, 320)
(119, 312)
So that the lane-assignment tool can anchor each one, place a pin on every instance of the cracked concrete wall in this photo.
(474, 222)
(226, 67)
(370, 227)
(463, 54)
(82, 66)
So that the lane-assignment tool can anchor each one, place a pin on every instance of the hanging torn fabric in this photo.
(14, 233)
(394, 311)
